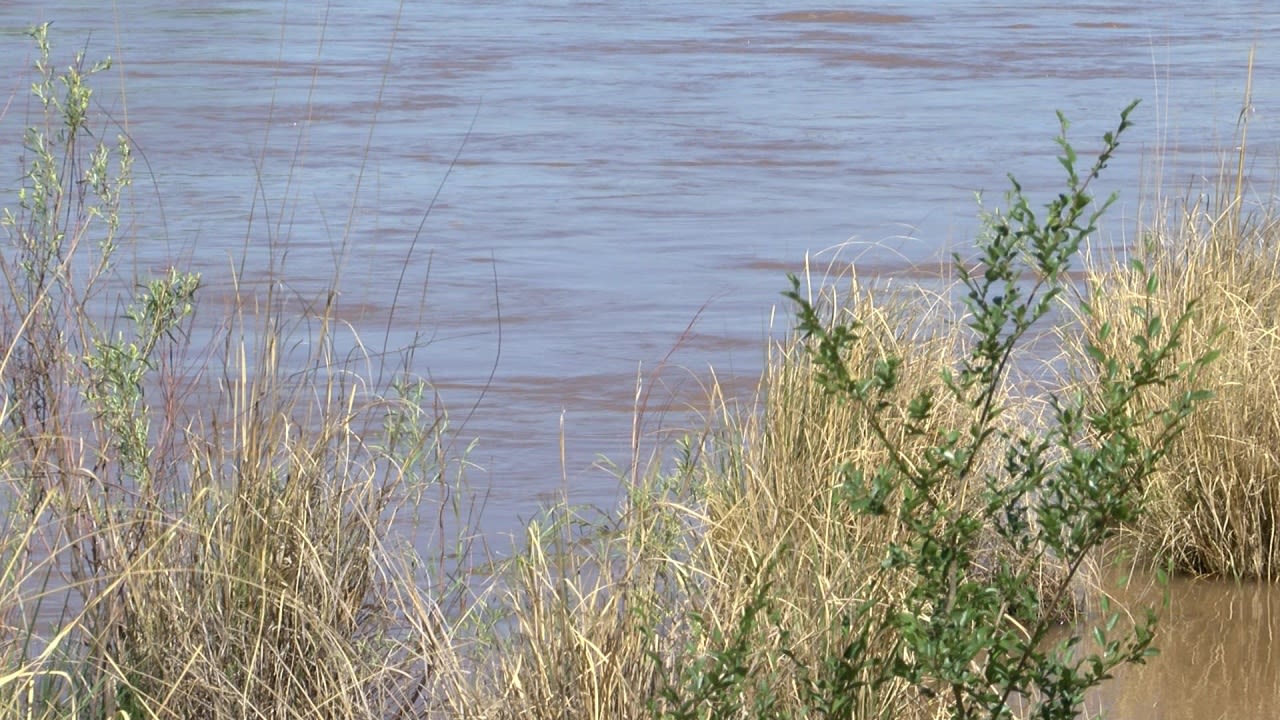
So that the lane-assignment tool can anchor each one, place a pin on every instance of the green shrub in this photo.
(969, 633)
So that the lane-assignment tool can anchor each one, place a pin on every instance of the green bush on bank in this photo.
(885, 537)
(963, 623)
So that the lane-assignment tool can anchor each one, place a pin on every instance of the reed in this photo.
(1213, 505)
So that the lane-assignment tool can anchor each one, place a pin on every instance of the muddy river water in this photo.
(615, 190)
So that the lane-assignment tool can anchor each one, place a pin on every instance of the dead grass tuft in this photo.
(1213, 506)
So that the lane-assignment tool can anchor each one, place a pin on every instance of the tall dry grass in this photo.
(602, 613)
(778, 507)
(737, 572)
(1214, 506)
(191, 539)
(256, 568)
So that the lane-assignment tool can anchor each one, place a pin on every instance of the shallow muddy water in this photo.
(616, 190)
(1217, 654)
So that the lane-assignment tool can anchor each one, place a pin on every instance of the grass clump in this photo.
(1215, 501)
(778, 517)
(718, 579)
(175, 543)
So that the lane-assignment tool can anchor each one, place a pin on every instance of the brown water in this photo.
(633, 179)
(1217, 656)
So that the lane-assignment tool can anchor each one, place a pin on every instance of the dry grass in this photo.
(780, 507)
(1213, 506)
(603, 614)
(252, 570)
(296, 607)
(193, 539)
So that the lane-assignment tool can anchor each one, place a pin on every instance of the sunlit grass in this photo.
(602, 613)
(1213, 508)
